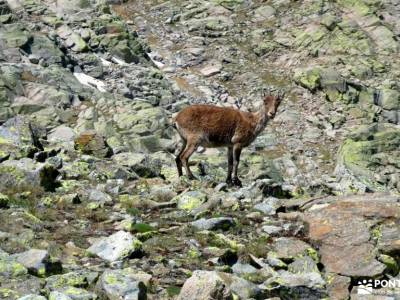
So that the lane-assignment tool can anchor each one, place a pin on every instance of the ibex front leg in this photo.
(230, 166)
(237, 150)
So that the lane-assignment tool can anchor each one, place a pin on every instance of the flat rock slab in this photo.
(288, 248)
(117, 246)
(211, 70)
(342, 227)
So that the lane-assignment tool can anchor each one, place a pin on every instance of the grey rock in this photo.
(190, 200)
(268, 206)
(288, 248)
(263, 13)
(37, 262)
(142, 164)
(214, 223)
(17, 139)
(99, 196)
(55, 295)
(304, 264)
(62, 134)
(90, 142)
(272, 230)
(117, 246)
(32, 297)
(79, 279)
(242, 269)
(25, 173)
(121, 284)
(205, 285)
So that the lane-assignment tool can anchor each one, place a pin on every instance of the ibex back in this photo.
(213, 126)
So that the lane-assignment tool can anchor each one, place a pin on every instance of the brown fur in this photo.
(213, 126)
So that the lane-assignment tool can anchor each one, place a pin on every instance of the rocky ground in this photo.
(90, 203)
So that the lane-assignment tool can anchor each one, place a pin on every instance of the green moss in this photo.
(11, 268)
(362, 7)
(376, 232)
(313, 254)
(390, 263)
(310, 79)
(219, 240)
(111, 279)
(193, 253)
(173, 290)
(8, 293)
(142, 227)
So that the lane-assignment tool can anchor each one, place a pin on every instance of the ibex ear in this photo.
(280, 95)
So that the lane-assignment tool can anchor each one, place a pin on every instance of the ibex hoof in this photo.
(237, 182)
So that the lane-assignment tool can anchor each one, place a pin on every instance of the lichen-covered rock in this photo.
(190, 200)
(81, 279)
(366, 153)
(340, 228)
(122, 284)
(90, 142)
(38, 262)
(4, 201)
(9, 268)
(288, 248)
(25, 174)
(205, 285)
(117, 246)
(45, 50)
(141, 164)
(18, 138)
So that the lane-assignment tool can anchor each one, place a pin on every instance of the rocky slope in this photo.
(90, 203)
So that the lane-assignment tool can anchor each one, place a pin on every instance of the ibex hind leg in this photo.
(178, 159)
(190, 148)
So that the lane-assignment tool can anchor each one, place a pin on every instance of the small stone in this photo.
(211, 70)
(272, 230)
(223, 223)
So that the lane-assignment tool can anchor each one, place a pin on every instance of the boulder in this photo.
(18, 138)
(90, 142)
(190, 200)
(117, 246)
(38, 262)
(122, 284)
(27, 174)
(141, 164)
(341, 229)
(205, 285)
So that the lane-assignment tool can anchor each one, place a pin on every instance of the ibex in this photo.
(213, 126)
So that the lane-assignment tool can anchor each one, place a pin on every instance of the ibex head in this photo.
(271, 103)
